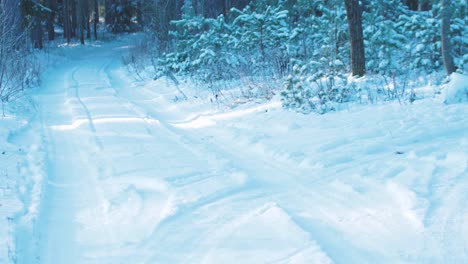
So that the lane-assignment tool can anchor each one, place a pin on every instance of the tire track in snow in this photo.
(76, 87)
(86, 189)
(99, 161)
(254, 186)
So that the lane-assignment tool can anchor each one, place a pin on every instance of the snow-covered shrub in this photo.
(261, 36)
(320, 30)
(459, 32)
(254, 42)
(308, 89)
(136, 59)
(321, 50)
(422, 29)
(202, 49)
(383, 38)
(423, 48)
(398, 43)
(456, 91)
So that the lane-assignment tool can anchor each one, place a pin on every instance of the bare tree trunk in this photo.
(96, 18)
(37, 34)
(226, 7)
(74, 23)
(446, 13)
(354, 16)
(107, 16)
(66, 18)
(139, 13)
(80, 16)
(86, 17)
(50, 19)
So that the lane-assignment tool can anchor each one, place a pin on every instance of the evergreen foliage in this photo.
(304, 43)
(121, 15)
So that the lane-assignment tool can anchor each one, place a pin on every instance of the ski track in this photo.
(126, 184)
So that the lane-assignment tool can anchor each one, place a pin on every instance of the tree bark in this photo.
(96, 18)
(74, 23)
(81, 17)
(50, 19)
(107, 14)
(354, 16)
(446, 13)
(86, 19)
(37, 34)
(139, 13)
(66, 20)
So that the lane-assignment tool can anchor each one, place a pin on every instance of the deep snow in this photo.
(110, 170)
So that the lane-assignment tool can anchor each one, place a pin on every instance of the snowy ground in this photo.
(117, 172)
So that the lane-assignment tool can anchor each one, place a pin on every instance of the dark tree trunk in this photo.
(74, 24)
(86, 17)
(50, 19)
(107, 15)
(424, 5)
(354, 16)
(37, 34)
(139, 13)
(446, 13)
(81, 20)
(66, 20)
(227, 6)
(96, 18)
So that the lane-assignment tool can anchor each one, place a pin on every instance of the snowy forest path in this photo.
(136, 176)
(120, 177)
(74, 160)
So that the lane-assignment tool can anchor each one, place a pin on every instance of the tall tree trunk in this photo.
(107, 14)
(86, 17)
(354, 16)
(446, 13)
(227, 6)
(139, 13)
(81, 20)
(96, 18)
(74, 24)
(50, 19)
(37, 33)
(66, 20)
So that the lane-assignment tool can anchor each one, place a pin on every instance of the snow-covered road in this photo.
(134, 177)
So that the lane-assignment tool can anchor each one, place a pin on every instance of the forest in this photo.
(233, 131)
(308, 47)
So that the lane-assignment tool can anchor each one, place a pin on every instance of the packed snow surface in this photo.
(125, 173)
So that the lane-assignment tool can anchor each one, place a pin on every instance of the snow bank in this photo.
(20, 182)
(456, 91)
